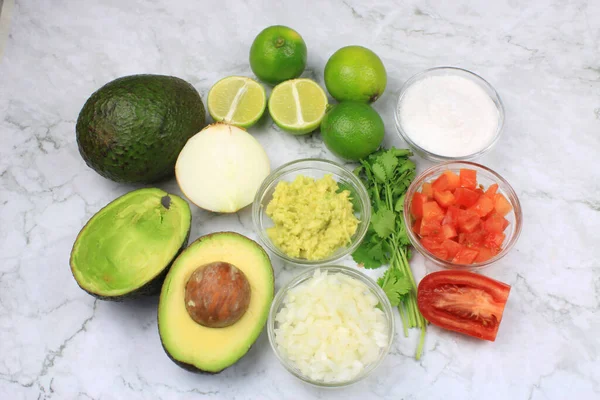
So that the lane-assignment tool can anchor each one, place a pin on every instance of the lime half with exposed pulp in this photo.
(237, 100)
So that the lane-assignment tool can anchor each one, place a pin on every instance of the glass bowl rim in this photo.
(495, 97)
(348, 271)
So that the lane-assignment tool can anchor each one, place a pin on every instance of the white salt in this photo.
(448, 115)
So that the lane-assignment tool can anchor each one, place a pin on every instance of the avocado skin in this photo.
(152, 287)
(190, 367)
(133, 128)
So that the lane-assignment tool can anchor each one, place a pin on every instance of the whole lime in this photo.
(352, 130)
(355, 73)
(277, 54)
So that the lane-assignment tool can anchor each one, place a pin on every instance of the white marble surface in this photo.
(56, 342)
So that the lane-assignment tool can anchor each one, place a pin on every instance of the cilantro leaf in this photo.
(395, 285)
(388, 162)
(362, 256)
(379, 173)
(384, 222)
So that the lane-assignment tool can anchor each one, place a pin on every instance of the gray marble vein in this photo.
(543, 57)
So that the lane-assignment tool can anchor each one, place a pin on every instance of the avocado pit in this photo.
(217, 295)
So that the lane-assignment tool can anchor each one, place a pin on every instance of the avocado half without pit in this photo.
(215, 302)
(126, 248)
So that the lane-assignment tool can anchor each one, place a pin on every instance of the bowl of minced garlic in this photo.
(311, 212)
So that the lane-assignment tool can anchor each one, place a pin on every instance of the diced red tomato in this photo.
(451, 247)
(501, 205)
(464, 197)
(432, 211)
(434, 248)
(484, 255)
(465, 256)
(430, 227)
(459, 220)
(483, 206)
(427, 190)
(417, 226)
(453, 180)
(445, 199)
(468, 178)
(440, 184)
(468, 221)
(473, 239)
(416, 206)
(451, 217)
(491, 191)
(495, 223)
(494, 240)
(449, 231)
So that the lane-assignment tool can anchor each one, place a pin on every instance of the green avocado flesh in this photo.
(130, 242)
(133, 128)
(203, 349)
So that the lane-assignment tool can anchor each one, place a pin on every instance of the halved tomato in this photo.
(463, 302)
(468, 178)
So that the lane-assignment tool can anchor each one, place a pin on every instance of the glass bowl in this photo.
(485, 177)
(445, 71)
(314, 168)
(278, 303)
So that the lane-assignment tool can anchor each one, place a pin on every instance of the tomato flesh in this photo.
(463, 302)
(465, 197)
(427, 190)
(458, 219)
(453, 180)
(416, 205)
(501, 205)
(468, 178)
(445, 199)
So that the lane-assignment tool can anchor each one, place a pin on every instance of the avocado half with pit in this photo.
(215, 302)
(126, 248)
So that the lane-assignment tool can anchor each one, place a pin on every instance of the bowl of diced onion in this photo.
(331, 326)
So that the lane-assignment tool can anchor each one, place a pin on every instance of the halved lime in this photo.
(237, 100)
(298, 105)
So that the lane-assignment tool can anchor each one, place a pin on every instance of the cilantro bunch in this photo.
(387, 174)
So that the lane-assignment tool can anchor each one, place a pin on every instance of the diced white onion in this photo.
(330, 327)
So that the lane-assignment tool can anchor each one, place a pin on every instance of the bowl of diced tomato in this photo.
(462, 215)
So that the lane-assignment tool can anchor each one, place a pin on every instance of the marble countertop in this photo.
(543, 57)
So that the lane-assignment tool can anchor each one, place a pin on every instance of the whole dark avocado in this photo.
(133, 128)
